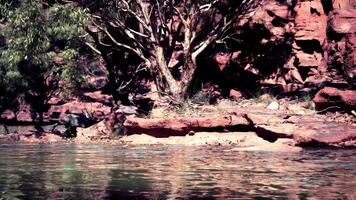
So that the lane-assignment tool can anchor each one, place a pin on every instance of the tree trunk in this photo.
(178, 89)
(187, 78)
(163, 69)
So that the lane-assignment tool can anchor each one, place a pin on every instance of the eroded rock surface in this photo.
(181, 126)
(335, 99)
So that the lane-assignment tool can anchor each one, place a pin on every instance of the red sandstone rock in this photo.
(161, 127)
(97, 82)
(342, 51)
(242, 141)
(310, 21)
(235, 95)
(291, 87)
(305, 129)
(76, 107)
(343, 21)
(276, 9)
(344, 4)
(338, 99)
(55, 101)
(97, 131)
(309, 60)
(98, 96)
(24, 116)
(8, 115)
(326, 134)
(310, 131)
(310, 36)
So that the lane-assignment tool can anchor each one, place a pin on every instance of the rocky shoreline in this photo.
(307, 51)
(246, 125)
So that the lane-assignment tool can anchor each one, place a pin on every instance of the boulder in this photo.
(235, 95)
(342, 21)
(335, 99)
(97, 131)
(98, 96)
(323, 134)
(314, 134)
(274, 105)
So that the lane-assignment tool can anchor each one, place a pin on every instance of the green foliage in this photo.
(6, 5)
(38, 35)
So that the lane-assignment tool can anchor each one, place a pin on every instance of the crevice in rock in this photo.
(314, 11)
(333, 35)
(310, 46)
(327, 6)
(279, 22)
(304, 72)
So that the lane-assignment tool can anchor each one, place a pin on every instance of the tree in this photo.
(42, 55)
(154, 31)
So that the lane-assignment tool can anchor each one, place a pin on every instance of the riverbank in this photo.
(277, 125)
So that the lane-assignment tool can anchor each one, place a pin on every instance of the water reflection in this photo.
(64, 171)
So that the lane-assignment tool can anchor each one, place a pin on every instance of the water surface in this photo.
(71, 171)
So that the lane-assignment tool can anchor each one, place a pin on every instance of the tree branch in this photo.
(127, 47)
(134, 14)
(93, 48)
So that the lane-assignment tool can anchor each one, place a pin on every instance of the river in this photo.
(72, 171)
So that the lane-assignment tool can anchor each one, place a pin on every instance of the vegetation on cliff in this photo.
(42, 53)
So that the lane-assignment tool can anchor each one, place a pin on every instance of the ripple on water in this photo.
(72, 171)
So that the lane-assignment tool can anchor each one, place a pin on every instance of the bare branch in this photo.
(123, 86)
(135, 15)
(118, 23)
(207, 6)
(127, 47)
(202, 46)
(144, 12)
(178, 12)
(93, 48)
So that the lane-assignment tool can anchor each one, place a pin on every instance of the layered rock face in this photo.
(342, 39)
(295, 45)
